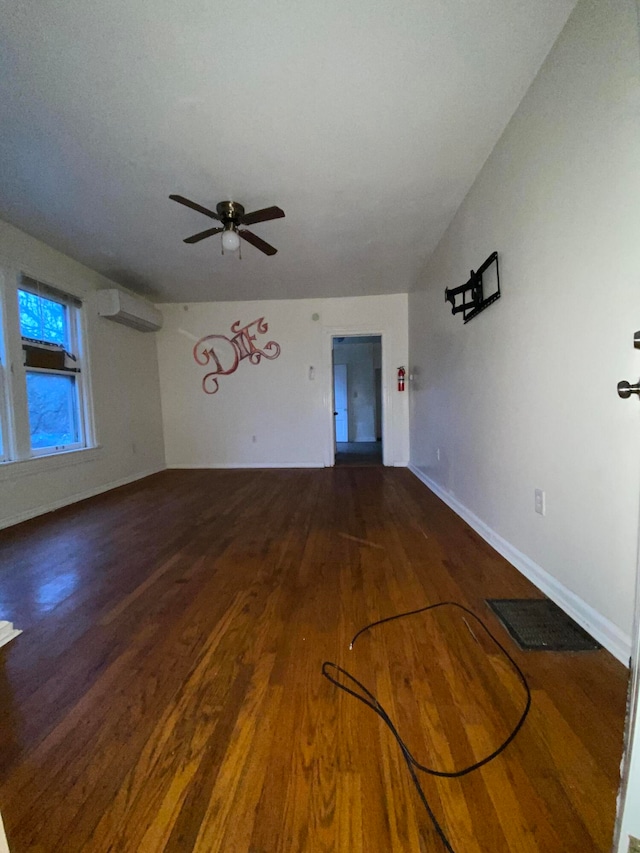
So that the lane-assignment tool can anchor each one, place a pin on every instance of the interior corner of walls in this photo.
(401, 461)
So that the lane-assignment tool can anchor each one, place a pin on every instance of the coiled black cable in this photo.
(367, 698)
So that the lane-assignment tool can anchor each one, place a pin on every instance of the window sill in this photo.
(48, 462)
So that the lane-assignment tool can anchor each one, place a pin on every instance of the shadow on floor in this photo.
(358, 453)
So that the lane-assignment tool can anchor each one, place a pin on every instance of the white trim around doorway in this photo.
(327, 397)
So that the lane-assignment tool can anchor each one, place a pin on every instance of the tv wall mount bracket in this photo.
(471, 298)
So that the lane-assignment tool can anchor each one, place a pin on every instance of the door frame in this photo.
(4, 844)
(626, 820)
(627, 805)
(328, 427)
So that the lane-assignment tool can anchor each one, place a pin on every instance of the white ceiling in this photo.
(365, 120)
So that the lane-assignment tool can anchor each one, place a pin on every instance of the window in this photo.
(43, 319)
(42, 398)
(4, 453)
(53, 411)
(50, 332)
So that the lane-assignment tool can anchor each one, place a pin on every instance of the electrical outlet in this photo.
(634, 844)
(438, 454)
(540, 503)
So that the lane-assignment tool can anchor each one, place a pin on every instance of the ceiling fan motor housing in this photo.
(230, 211)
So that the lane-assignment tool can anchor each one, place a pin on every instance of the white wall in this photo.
(361, 360)
(289, 414)
(126, 393)
(524, 396)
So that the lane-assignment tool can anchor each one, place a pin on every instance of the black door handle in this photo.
(625, 390)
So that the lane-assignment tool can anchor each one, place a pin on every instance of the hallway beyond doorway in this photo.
(358, 453)
(357, 399)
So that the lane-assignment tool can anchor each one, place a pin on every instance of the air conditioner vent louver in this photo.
(126, 309)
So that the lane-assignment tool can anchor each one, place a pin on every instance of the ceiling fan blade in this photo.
(262, 215)
(195, 238)
(258, 242)
(192, 204)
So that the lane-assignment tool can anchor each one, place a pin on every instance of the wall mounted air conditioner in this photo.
(126, 309)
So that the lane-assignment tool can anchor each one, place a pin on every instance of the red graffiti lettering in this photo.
(227, 353)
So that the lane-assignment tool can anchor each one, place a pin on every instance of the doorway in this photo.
(357, 399)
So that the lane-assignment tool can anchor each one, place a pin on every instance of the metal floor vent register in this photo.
(537, 624)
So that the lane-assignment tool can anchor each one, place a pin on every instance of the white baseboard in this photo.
(7, 632)
(256, 466)
(261, 465)
(78, 496)
(601, 628)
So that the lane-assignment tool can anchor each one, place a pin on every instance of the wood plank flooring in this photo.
(166, 694)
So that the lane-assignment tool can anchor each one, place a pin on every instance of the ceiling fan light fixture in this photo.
(230, 240)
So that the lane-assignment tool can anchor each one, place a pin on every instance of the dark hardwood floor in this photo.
(166, 694)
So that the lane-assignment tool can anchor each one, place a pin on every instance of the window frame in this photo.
(59, 448)
(73, 337)
(14, 407)
(5, 426)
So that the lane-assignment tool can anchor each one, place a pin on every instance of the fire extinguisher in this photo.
(401, 375)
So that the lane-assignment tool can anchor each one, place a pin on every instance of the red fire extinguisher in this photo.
(401, 375)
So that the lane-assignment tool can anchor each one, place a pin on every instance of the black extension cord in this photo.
(367, 698)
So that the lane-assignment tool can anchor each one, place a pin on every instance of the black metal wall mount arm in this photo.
(472, 296)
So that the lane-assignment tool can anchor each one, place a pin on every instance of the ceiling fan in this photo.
(232, 216)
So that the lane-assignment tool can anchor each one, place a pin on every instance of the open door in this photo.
(341, 401)
(628, 820)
